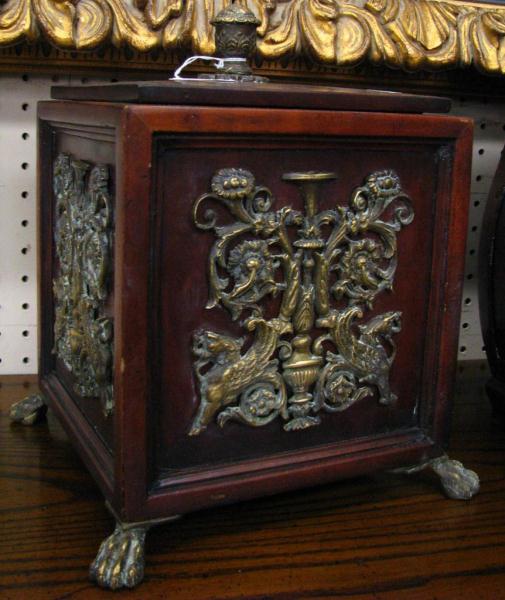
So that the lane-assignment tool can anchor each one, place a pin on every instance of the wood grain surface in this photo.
(273, 94)
(386, 537)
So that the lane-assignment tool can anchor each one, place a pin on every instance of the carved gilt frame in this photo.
(412, 35)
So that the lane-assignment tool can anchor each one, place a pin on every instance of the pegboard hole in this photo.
(26, 333)
(469, 276)
(25, 306)
(481, 151)
(24, 250)
(474, 227)
(462, 349)
(24, 223)
(476, 203)
(24, 194)
(24, 279)
(25, 135)
(465, 325)
(26, 360)
(25, 106)
(24, 165)
(468, 301)
(472, 252)
(478, 178)
(483, 126)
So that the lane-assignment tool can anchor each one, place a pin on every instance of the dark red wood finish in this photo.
(147, 139)
(271, 94)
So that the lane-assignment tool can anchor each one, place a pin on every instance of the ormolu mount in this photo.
(328, 274)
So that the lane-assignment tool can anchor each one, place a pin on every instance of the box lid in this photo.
(271, 95)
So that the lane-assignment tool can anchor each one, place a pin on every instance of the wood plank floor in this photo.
(383, 537)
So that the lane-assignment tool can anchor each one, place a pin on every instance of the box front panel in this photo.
(289, 306)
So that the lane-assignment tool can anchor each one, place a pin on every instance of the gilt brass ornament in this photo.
(326, 268)
(83, 331)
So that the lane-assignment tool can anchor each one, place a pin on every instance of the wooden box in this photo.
(246, 289)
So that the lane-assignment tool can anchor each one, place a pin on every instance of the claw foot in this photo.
(458, 483)
(120, 559)
(28, 411)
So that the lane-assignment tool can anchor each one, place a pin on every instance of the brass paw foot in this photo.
(120, 559)
(458, 483)
(28, 411)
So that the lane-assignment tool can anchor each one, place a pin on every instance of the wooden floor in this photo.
(386, 537)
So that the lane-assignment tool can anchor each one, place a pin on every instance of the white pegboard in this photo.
(18, 272)
(18, 97)
(18, 330)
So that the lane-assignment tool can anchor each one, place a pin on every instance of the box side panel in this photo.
(76, 229)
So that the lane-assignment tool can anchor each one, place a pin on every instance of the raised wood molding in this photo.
(412, 35)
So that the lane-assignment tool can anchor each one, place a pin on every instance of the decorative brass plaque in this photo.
(83, 333)
(326, 268)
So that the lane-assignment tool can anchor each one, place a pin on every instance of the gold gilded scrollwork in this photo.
(326, 267)
(83, 333)
(410, 34)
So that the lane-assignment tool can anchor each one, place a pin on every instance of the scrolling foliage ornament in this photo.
(408, 34)
(326, 267)
(83, 333)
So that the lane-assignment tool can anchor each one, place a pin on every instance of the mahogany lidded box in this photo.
(245, 288)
